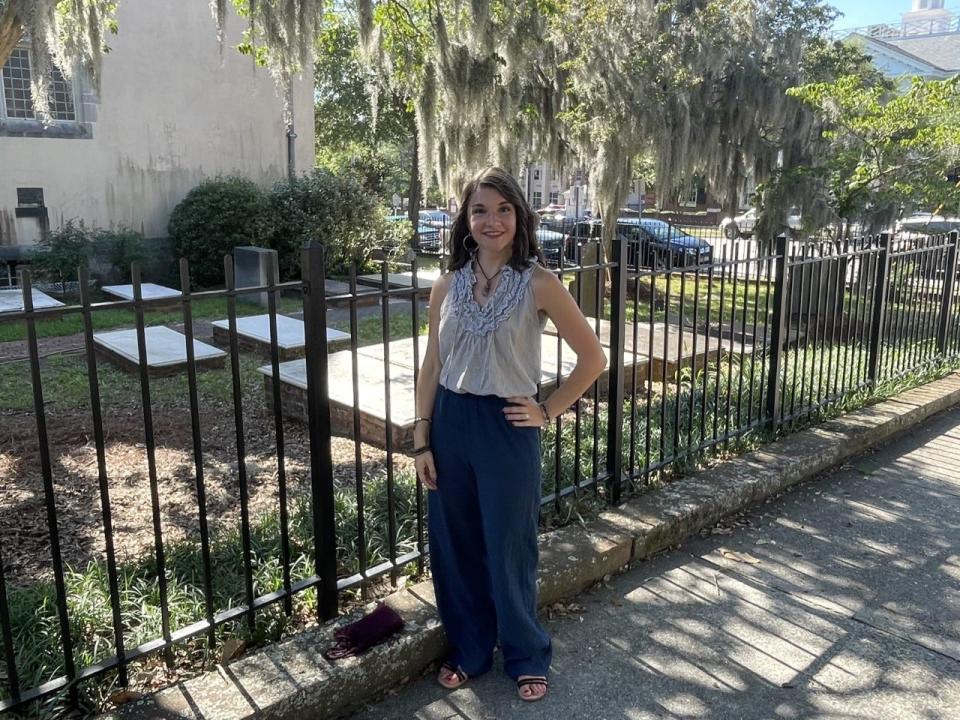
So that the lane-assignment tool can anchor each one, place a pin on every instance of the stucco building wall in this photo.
(170, 113)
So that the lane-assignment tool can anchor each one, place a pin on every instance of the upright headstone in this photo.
(589, 255)
(251, 267)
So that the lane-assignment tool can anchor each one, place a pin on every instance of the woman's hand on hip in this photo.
(524, 412)
(426, 469)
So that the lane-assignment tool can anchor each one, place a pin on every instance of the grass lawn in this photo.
(108, 318)
(65, 383)
(731, 300)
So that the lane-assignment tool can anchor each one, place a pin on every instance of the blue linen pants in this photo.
(483, 535)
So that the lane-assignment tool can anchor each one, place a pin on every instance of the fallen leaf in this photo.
(741, 557)
(231, 649)
(122, 697)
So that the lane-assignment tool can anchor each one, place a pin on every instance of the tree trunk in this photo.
(11, 30)
(413, 194)
(733, 194)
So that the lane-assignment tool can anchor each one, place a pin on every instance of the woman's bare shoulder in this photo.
(543, 279)
(440, 287)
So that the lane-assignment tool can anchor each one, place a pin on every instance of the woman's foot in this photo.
(531, 687)
(451, 677)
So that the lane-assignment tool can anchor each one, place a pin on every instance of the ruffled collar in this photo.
(482, 320)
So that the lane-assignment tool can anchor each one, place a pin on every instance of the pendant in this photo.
(486, 289)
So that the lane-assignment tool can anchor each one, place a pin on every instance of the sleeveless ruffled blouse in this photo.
(493, 349)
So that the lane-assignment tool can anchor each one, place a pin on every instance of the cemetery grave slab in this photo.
(372, 387)
(371, 390)
(12, 300)
(159, 295)
(670, 349)
(253, 333)
(166, 351)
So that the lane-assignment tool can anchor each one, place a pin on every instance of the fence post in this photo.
(946, 302)
(618, 301)
(318, 416)
(781, 307)
(881, 282)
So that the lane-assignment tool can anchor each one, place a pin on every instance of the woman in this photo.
(477, 432)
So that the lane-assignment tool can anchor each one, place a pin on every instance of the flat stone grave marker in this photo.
(253, 333)
(425, 280)
(401, 353)
(12, 300)
(166, 350)
(372, 387)
(564, 360)
(371, 397)
(663, 351)
(148, 291)
(366, 295)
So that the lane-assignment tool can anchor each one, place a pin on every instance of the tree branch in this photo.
(410, 22)
(11, 30)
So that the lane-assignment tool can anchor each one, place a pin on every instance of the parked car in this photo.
(439, 219)
(928, 224)
(742, 225)
(658, 244)
(553, 243)
(578, 232)
(427, 238)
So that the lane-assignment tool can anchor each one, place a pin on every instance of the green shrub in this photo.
(114, 251)
(336, 209)
(121, 248)
(108, 254)
(61, 252)
(215, 217)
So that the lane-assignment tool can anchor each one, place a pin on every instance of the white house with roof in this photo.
(925, 43)
(170, 112)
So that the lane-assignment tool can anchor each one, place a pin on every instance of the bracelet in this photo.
(422, 419)
(543, 411)
(420, 450)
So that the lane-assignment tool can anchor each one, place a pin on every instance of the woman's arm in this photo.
(427, 382)
(554, 299)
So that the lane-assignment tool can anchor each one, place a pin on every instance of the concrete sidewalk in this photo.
(838, 600)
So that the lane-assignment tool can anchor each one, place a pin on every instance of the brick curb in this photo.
(291, 679)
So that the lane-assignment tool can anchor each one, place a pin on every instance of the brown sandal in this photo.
(532, 680)
(460, 675)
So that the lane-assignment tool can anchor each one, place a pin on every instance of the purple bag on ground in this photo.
(373, 628)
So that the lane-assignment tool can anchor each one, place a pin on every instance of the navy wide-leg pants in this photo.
(483, 534)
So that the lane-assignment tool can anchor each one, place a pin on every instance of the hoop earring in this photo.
(469, 251)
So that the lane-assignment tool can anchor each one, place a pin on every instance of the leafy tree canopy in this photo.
(360, 126)
(885, 150)
(697, 86)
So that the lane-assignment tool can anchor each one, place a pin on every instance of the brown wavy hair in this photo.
(525, 245)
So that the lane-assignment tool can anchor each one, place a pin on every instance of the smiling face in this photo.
(493, 221)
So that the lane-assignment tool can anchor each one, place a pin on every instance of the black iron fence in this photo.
(704, 356)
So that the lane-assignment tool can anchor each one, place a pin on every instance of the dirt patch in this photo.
(16, 350)
(24, 535)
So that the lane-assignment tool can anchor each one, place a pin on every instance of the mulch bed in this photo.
(24, 535)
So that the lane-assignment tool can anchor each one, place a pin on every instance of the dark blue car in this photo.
(655, 243)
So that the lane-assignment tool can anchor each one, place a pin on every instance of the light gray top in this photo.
(494, 349)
